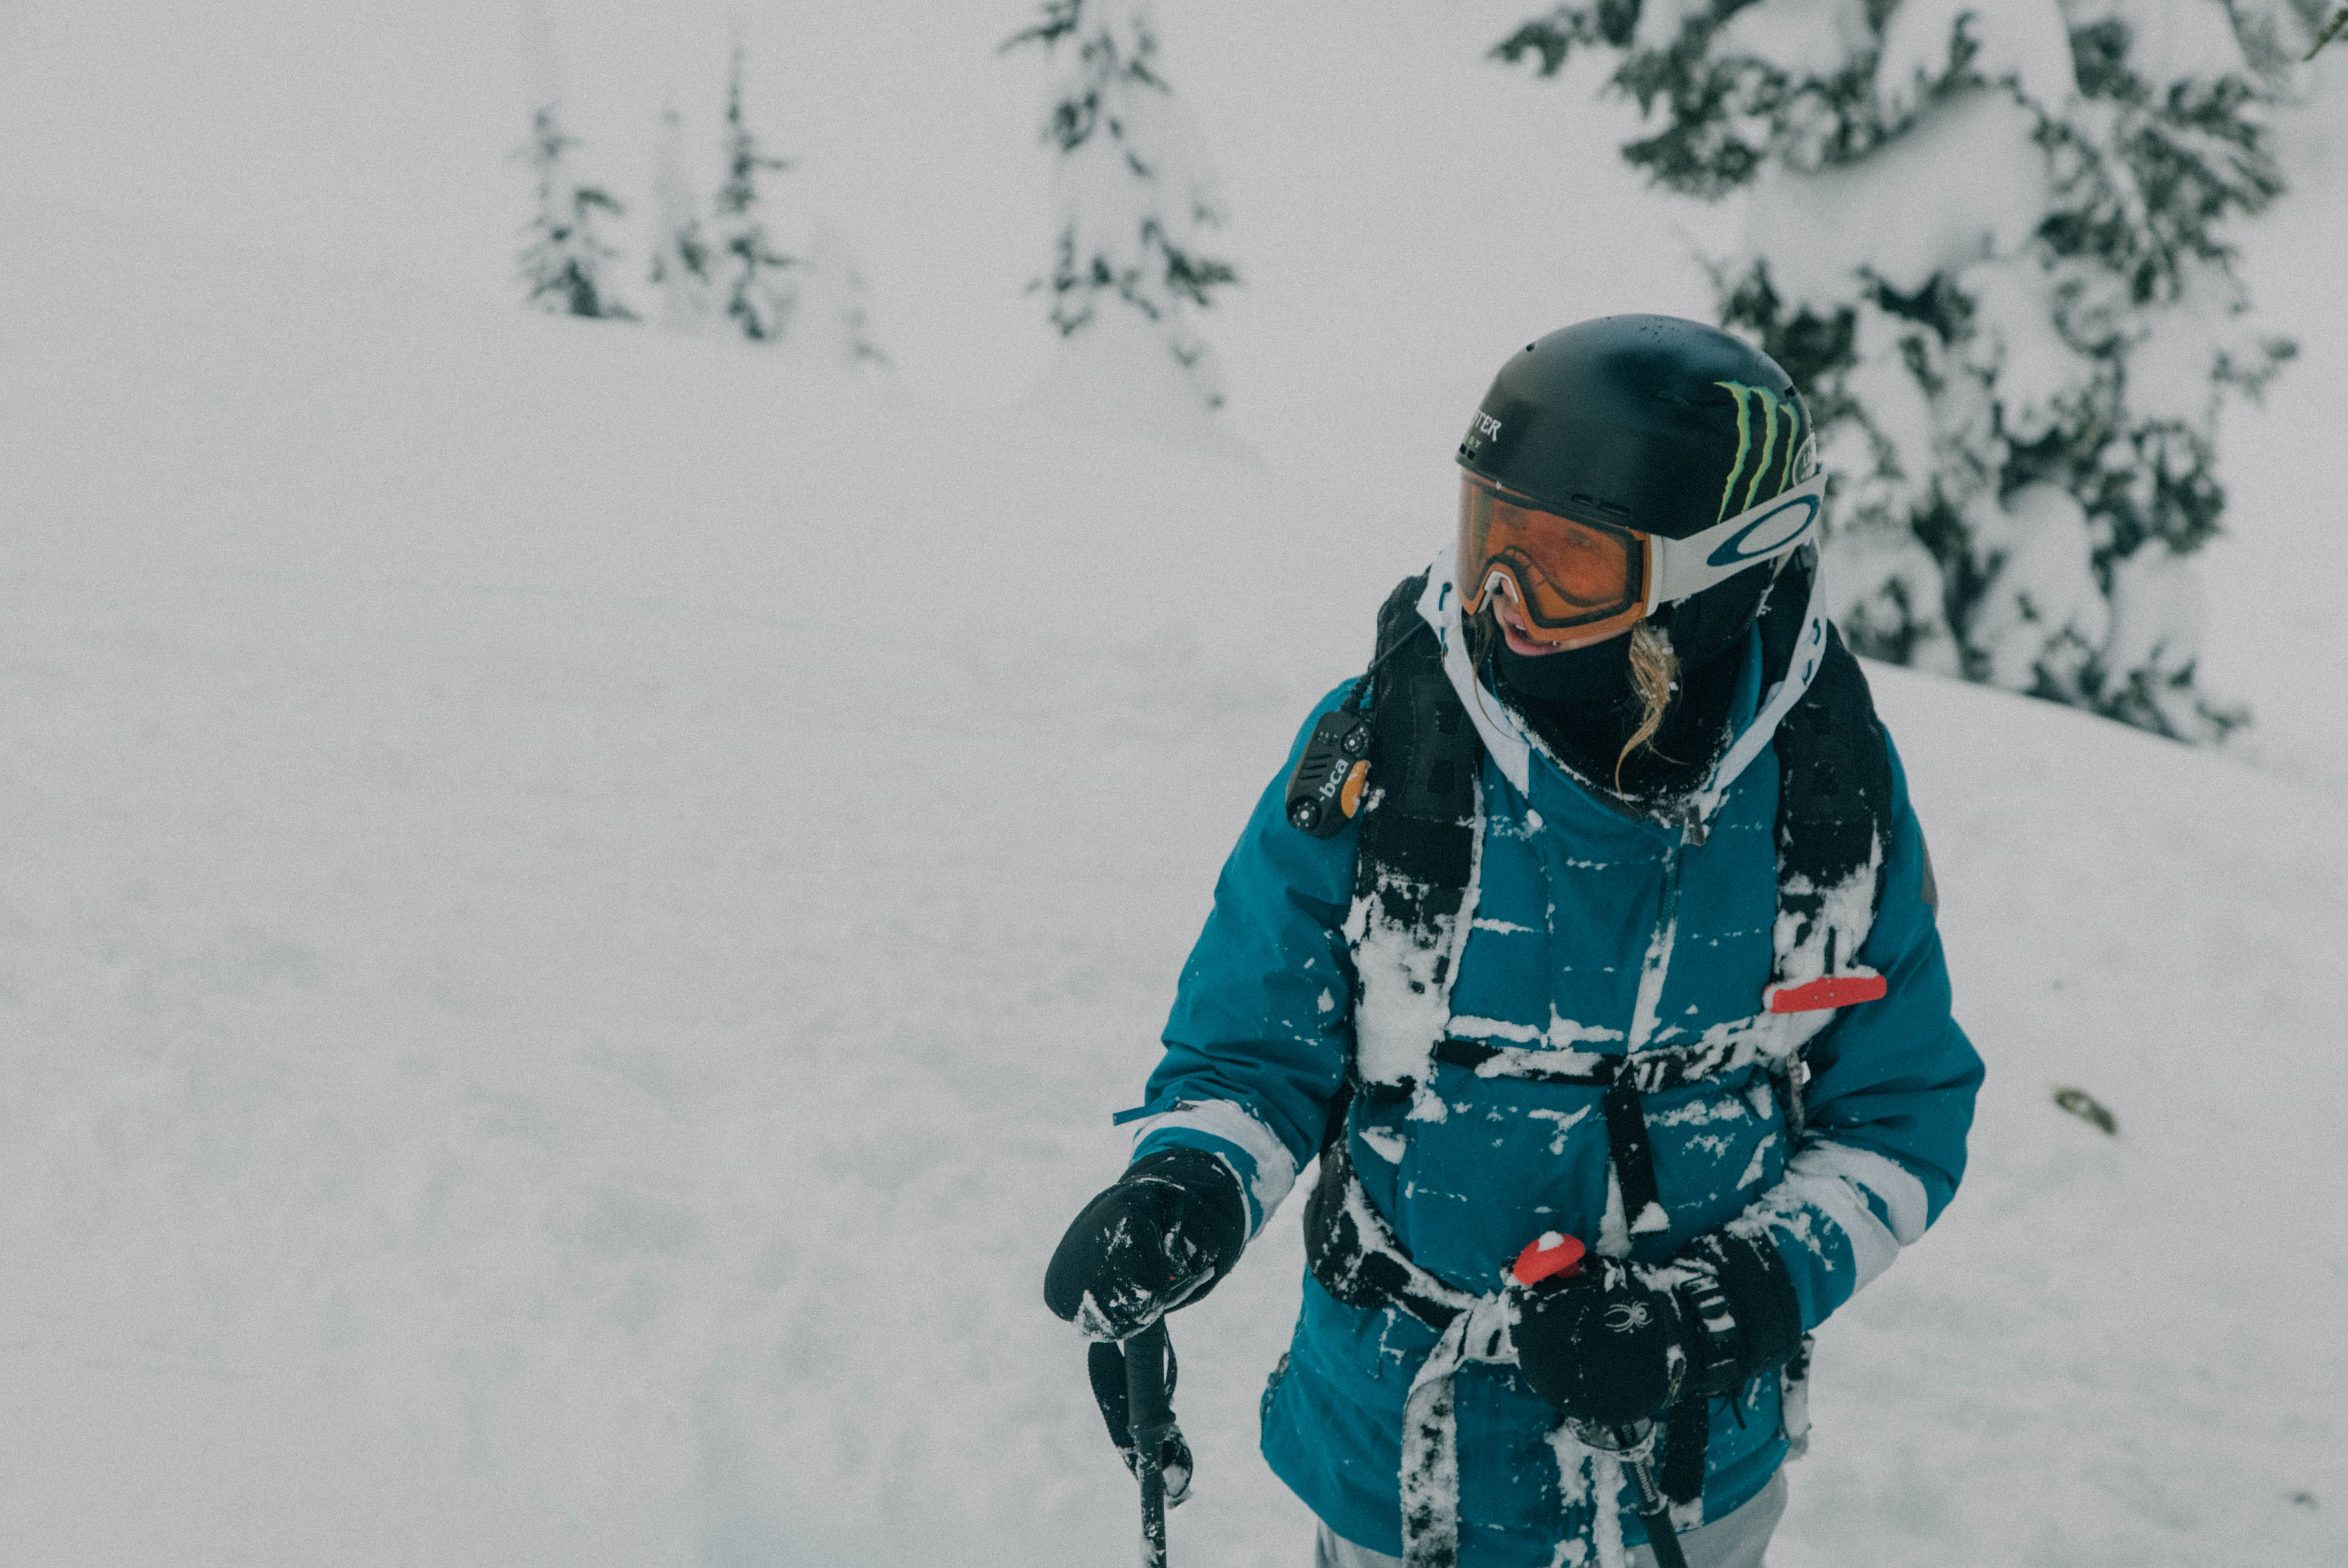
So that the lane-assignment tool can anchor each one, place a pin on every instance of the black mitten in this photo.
(1620, 1342)
(1164, 1235)
(1605, 1345)
(1740, 1298)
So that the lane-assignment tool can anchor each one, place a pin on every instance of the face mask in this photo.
(1579, 677)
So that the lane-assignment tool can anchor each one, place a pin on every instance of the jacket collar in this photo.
(1510, 747)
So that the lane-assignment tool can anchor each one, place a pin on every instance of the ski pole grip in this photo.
(1149, 1407)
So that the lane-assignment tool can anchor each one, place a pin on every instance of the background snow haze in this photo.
(574, 899)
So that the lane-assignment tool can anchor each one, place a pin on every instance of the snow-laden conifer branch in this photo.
(1990, 240)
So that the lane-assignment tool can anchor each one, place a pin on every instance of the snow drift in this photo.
(577, 904)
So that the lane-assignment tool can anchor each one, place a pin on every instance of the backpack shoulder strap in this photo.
(1834, 835)
(1834, 799)
(1400, 759)
(1418, 820)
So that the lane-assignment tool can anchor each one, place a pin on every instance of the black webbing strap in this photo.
(1834, 794)
(1834, 808)
(1417, 823)
(1355, 1253)
(1687, 1436)
(1647, 1071)
(1635, 1160)
(1625, 1079)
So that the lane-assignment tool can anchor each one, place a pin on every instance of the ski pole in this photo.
(1149, 1415)
(1560, 1255)
(1630, 1444)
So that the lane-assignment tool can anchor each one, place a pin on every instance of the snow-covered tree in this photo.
(755, 277)
(834, 318)
(562, 265)
(1989, 238)
(684, 261)
(1137, 194)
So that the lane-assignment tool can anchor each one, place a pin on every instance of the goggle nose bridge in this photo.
(1527, 552)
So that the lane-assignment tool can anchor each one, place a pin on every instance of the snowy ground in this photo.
(575, 907)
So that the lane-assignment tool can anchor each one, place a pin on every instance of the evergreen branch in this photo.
(2339, 20)
(1061, 17)
(2145, 170)
(1551, 41)
(1555, 37)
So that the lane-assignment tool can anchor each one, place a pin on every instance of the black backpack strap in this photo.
(1834, 798)
(1418, 823)
(1419, 818)
(1687, 1440)
(1400, 757)
(1834, 827)
(1354, 1253)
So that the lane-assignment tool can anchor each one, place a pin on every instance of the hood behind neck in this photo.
(1792, 628)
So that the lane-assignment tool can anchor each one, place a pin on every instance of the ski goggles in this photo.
(1578, 582)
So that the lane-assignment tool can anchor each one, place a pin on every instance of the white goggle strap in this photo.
(1679, 567)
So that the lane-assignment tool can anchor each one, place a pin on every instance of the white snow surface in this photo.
(576, 901)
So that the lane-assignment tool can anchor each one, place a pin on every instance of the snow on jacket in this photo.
(1565, 908)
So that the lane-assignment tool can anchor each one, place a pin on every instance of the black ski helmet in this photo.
(1650, 422)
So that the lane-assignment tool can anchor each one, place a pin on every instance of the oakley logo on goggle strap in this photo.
(1768, 534)
(1791, 460)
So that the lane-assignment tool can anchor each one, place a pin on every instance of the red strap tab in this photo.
(1826, 991)
(1553, 1253)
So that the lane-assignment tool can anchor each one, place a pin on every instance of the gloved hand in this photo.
(1620, 1342)
(1164, 1235)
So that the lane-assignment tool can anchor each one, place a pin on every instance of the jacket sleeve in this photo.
(1262, 1021)
(1891, 1101)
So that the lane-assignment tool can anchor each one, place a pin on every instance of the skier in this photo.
(1593, 912)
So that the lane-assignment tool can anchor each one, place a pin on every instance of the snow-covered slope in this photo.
(572, 911)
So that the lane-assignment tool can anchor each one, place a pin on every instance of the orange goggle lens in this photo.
(1570, 580)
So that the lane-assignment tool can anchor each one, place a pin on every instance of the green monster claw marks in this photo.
(1771, 408)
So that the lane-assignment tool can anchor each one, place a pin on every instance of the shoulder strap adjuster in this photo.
(1848, 988)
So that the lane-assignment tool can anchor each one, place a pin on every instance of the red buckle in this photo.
(1826, 991)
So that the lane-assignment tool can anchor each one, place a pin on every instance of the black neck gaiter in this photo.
(1599, 674)
(1580, 702)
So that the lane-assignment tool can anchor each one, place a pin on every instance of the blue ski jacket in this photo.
(1565, 930)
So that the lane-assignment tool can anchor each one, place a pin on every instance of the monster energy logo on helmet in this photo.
(1650, 422)
(1798, 452)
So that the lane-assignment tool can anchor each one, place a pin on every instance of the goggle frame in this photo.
(1670, 570)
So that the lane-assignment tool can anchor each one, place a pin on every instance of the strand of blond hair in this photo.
(1655, 670)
